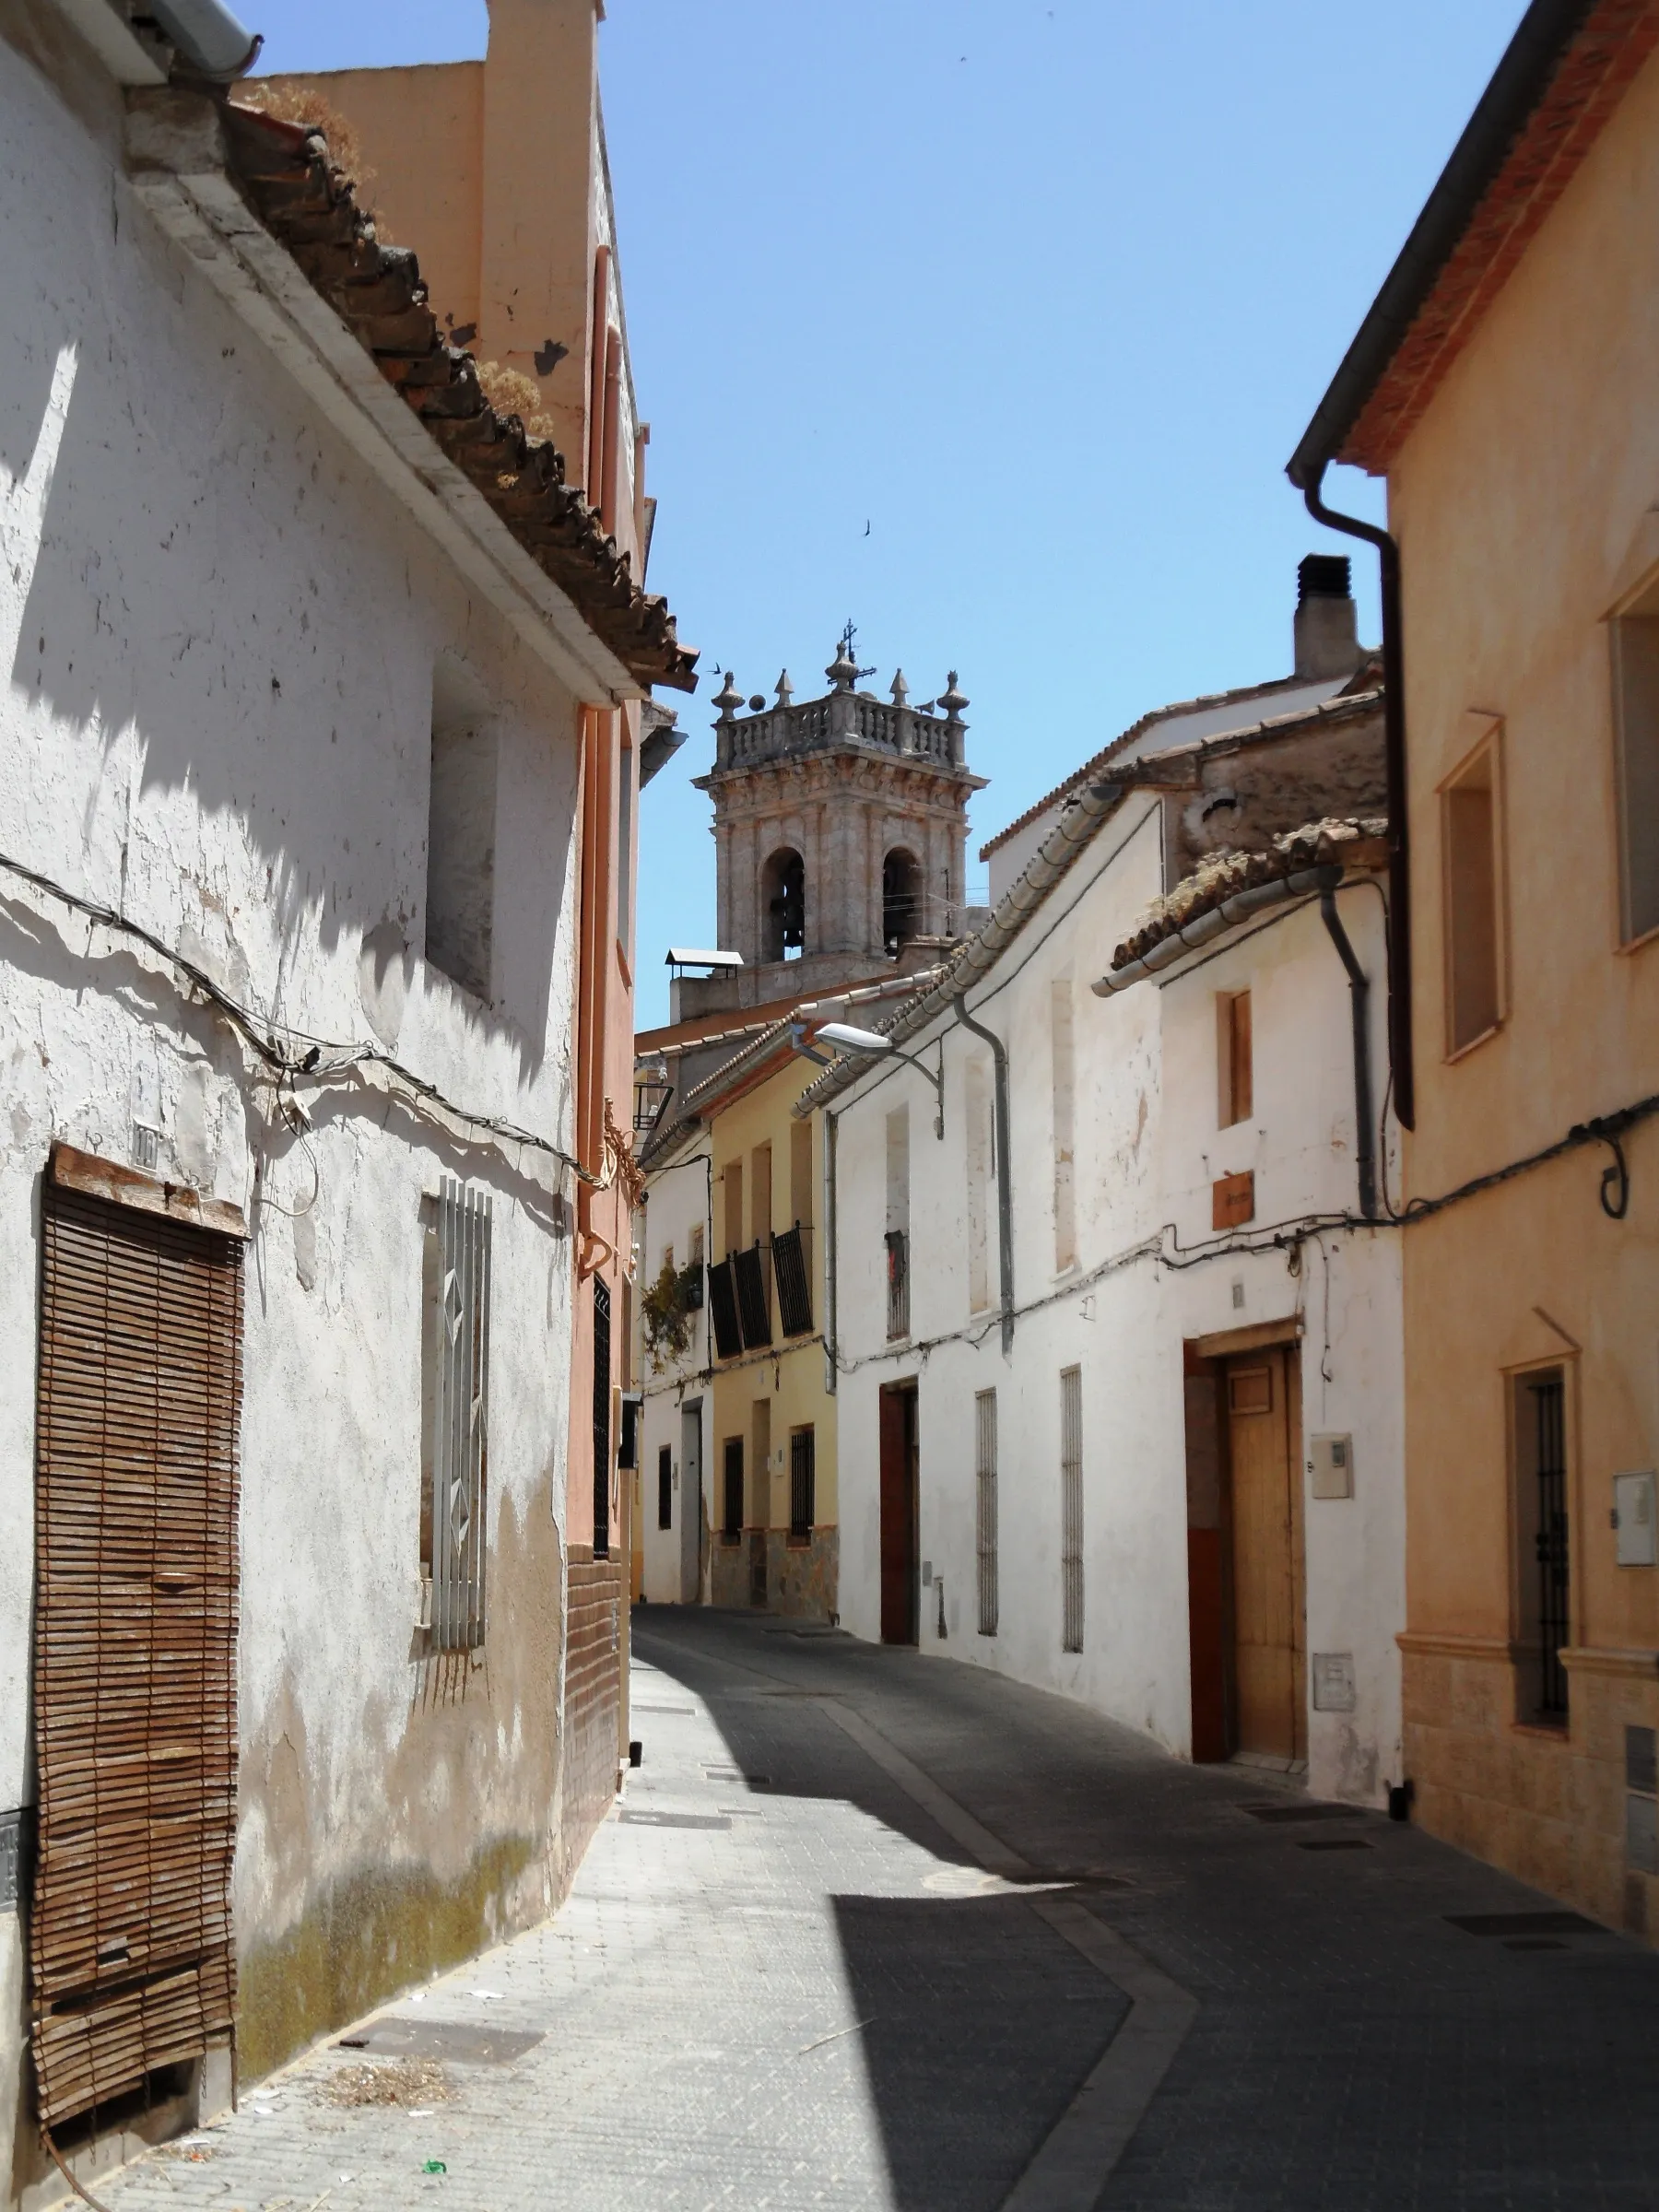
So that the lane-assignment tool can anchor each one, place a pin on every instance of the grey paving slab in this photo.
(813, 1996)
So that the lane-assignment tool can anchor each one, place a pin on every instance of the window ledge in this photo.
(1462, 1052)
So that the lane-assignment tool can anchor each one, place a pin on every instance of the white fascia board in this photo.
(111, 39)
(262, 282)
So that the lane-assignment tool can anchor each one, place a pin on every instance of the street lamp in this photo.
(846, 1039)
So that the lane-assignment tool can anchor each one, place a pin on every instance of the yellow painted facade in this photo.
(768, 1170)
(1525, 503)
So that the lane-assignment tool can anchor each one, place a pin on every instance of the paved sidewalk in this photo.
(786, 1978)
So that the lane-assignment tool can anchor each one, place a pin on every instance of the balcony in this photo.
(790, 1267)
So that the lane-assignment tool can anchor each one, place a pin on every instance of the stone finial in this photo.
(951, 700)
(728, 699)
(901, 689)
(843, 670)
(785, 689)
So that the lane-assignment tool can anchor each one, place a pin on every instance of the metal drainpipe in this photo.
(1399, 848)
(213, 43)
(1005, 1169)
(1359, 1002)
(830, 1345)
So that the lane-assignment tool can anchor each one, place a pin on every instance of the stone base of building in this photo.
(765, 1571)
(1553, 1806)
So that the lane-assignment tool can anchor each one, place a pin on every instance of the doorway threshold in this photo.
(1267, 1762)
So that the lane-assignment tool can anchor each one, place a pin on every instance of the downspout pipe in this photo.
(1359, 1003)
(1005, 1168)
(1393, 737)
(832, 1342)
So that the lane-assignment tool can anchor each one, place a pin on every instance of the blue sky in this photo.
(1041, 295)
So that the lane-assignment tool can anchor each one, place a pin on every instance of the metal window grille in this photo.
(666, 1486)
(803, 1483)
(1550, 1454)
(722, 1309)
(602, 1375)
(794, 1288)
(1071, 1507)
(460, 1441)
(754, 1306)
(985, 1468)
(898, 1283)
(732, 1525)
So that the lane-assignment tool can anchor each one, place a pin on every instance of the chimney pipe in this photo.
(1327, 627)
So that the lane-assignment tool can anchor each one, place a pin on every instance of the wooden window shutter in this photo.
(135, 1646)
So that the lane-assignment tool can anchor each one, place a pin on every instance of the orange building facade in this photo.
(1505, 385)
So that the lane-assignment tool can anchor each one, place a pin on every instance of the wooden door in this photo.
(691, 1504)
(1266, 1499)
(899, 1456)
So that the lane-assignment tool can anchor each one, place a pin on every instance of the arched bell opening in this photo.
(784, 905)
(901, 898)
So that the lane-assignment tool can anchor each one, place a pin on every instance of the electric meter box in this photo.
(1633, 1520)
(1331, 1466)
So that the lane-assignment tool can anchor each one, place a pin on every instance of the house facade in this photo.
(674, 1364)
(1503, 384)
(293, 769)
(522, 262)
(1116, 1328)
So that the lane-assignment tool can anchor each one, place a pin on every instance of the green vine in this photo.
(666, 1317)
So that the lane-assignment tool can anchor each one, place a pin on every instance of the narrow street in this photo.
(864, 1926)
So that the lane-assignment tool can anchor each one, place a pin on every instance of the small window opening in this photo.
(1471, 901)
(665, 1485)
(730, 1527)
(803, 1484)
(461, 833)
(1542, 1561)
(1235, 1061)
(1636, 716)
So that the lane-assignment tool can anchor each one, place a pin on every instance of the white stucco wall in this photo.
(1147, 1151)
(218, 636)
(676, 1201)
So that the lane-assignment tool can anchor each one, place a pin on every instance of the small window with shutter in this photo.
(1235, 1065)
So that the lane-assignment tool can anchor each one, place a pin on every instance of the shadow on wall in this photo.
(178, 615)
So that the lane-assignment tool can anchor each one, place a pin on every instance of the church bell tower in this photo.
(839, 829)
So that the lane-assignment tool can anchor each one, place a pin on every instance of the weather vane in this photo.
(847, 636)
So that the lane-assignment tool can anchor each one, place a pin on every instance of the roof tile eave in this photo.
(283, 171)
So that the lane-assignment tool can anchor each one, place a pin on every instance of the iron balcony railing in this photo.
(754, 1304)
(795, 1284)
(722, 1311)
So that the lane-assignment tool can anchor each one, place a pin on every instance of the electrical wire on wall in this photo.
(276, 1047)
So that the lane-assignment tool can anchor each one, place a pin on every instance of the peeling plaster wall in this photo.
(218, 636)
(1146, 1150)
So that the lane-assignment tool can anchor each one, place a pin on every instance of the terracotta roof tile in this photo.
(310, 208)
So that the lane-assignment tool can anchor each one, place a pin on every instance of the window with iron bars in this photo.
(731, 1528)
(803, 1484)
(898, 1283)
(1540, 1433)
(1071, 1508)
(985, 1456)
(456, 1518)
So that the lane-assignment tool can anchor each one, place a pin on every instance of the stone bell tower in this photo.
(840, 826)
